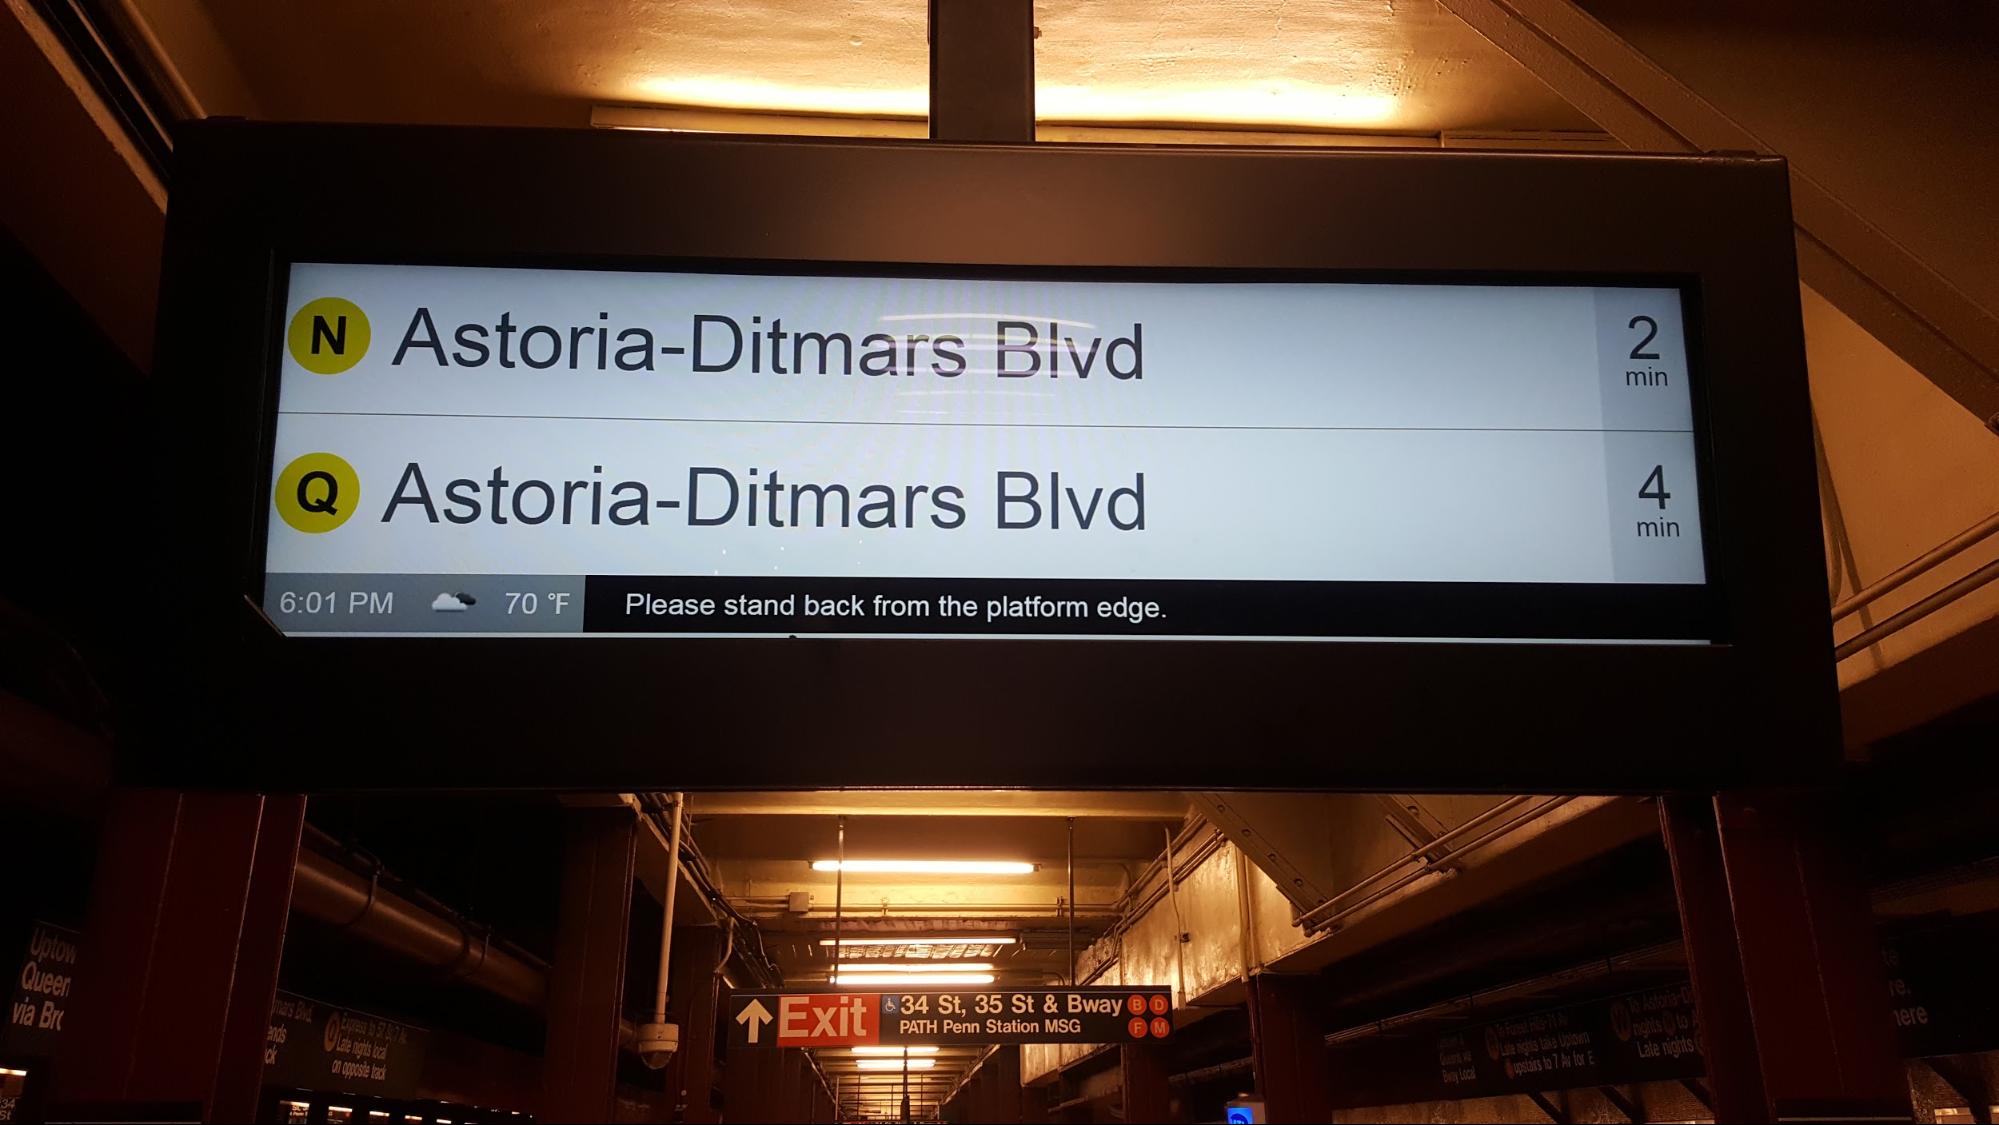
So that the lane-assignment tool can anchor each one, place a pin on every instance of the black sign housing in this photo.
(597, 713)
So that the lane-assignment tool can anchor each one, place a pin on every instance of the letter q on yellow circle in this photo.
(317, 492)
(328, 335)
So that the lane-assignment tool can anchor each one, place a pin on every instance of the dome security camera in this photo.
(656, 1043)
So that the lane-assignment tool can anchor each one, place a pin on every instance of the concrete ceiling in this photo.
(1040, 840)
(1397, 66)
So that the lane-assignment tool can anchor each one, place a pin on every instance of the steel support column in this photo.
(1811, 975)
(1811, 962)
(982, 70)
(791, 1089)
(586, 988)
(737, 1081)
(770, 1100)
(780, 1086)
(1033, 1099)
(1707, 929)
(1287, 1033)
(1009, 1098)
(820, 1101)
(1000, 1100)
(259, 953)
(693, 992)
(994, 1095)
(1148, 1096)
(974, 1101)
(185, 931)
(750, 1079)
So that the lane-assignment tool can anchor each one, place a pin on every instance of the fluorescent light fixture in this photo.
(894, 1064)
(925, 866)
(895, 1051)
(731, 92)
(709, 119)
(948, 939)
(913, 967)
(886, 979)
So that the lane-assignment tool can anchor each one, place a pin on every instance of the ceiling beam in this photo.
(982, 71)
(1145, 805)
(1929, 322)
(690, 907)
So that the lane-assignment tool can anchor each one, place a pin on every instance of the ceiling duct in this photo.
(327, 890)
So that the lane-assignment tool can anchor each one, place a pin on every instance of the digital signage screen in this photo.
(540, 452)
(579, 460)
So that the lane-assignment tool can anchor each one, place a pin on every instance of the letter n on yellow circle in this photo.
(328, 335)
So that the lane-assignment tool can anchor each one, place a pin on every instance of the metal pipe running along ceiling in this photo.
(327, 891)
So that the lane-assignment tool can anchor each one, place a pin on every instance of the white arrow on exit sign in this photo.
(753, 1018)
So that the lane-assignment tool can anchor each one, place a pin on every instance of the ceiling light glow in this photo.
(884, 980)
(914, 967)
(753, 94)
(1281, 102)
(967, 939)
(894, 1064)
(895, 1051)
(1274, 102)
(925, 866)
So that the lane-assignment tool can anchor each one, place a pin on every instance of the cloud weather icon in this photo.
(453, 603)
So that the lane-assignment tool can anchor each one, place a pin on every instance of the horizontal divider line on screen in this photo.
(1149, 607)
(985, 425)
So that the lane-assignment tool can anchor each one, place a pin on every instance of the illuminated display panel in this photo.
(540, 452)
